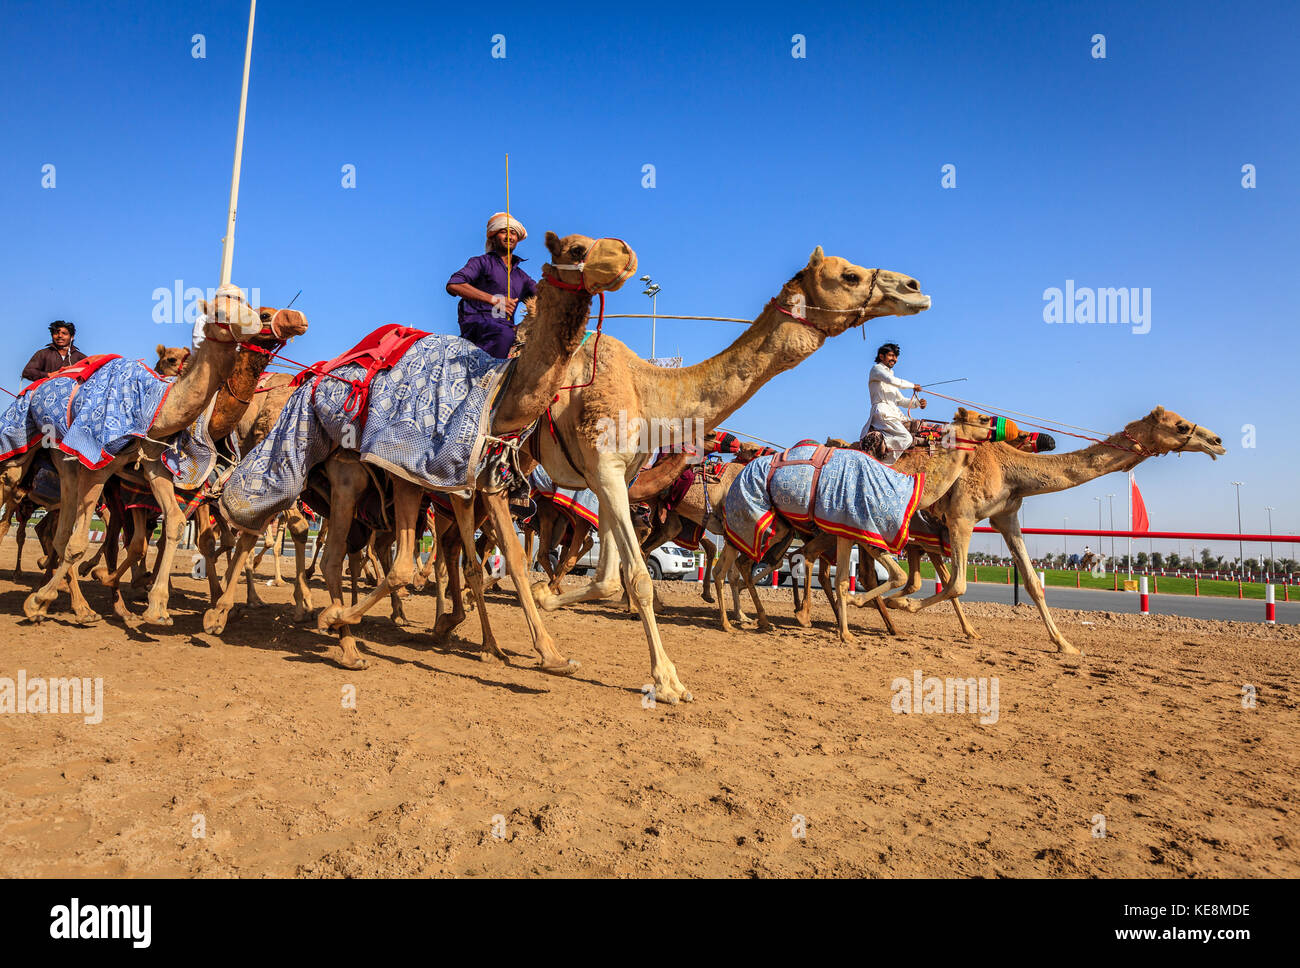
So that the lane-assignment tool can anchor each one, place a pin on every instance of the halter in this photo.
(861, 310)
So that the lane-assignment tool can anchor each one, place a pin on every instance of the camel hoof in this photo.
(328, 618)
(33, 607)
(357, 664)
(1065, 648)
(156, 616)
(214, 621)
(565, 668)
(88, 618)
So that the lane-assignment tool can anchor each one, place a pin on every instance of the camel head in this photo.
(1165, 432)
(227, 318)
(279, 325)
(171, 360)
(835, 294)
(597, 265)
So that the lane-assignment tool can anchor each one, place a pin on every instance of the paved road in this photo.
(1092, 600)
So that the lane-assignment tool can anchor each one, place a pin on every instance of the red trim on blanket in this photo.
(572, 508)
(761, 528)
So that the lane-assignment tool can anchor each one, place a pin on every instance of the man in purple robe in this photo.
(487, 301)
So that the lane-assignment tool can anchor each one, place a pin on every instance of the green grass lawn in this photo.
(997, 574)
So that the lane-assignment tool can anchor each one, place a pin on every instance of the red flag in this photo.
(1140, 521)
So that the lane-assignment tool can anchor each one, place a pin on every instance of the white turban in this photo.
(501, 220)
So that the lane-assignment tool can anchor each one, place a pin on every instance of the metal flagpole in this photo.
(1130, 524)
(228, 243)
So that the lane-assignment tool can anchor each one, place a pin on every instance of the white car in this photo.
(797, 565)
(667, 562)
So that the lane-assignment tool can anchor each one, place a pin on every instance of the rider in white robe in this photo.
(887, 401)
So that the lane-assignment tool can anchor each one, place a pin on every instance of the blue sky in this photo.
(1122, 172)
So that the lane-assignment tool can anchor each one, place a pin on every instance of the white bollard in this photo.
(1142, 596)
(1042, 582)
(1270, 606)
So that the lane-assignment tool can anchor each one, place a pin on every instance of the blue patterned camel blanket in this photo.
(426, 421)
(576, 504)
(95, 420)
(857, 497)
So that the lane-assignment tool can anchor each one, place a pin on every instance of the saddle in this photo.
(377, 352)
(817, 460)
(81, 371)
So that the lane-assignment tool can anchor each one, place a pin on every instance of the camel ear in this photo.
(553, 244)
(161, 350)
(815, 259)
(1158, 412)
(961, 416)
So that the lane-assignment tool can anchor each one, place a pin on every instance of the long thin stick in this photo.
(228, 243)
(509, 251)
(294, 299)
(720, 319)
(942, 382)
(751, 437)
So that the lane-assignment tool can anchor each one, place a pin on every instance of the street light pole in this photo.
(1112, 527)
(1272, 563)
(1065, 538)
(1099, 541)
(1241, 554)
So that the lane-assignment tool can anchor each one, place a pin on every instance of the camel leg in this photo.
(1010, 528)
(578, 545)
(517, 566)
(619, 542)
(320, 543)
(942, 572)
(214, 619)
(960, 532)
(20, 536)
(275, 550)
(79, 489)
(747, 576)
(164, 492)
(867, 579)
(298, 530)
(706, 586)
(112, 580)
(406, 501)
(463, 510)
(843, 553)
(726, 558)
(448, 620)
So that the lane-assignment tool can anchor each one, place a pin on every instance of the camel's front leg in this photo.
(608, 582)
(579, 543)
(960, 532)
(79, 496)
(406, 501)
(867, 579)
(706, 586)
(449, 620)
(517, 567)
(299, 528)
(164, 492)
(747, 576)
(726, 559)
(463, 509)
(1010, 528)
(214, 619)
(942, 572)
(135, 551)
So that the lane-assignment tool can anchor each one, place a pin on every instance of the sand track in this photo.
(250, 731)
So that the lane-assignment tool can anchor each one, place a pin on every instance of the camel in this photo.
(942, 470)
(1000, 477)
(227, 322)
(230, 400)
(580, 268)
(827, 297)
(920, 542)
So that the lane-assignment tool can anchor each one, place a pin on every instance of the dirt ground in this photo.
(448, 765)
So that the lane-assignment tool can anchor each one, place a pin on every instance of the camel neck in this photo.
(557, 329)
(941, 473)
(236, 393)
(207, 369)
(717, 387)
(1045, 473)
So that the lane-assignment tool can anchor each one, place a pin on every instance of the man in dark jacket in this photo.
(57, 355)
(487, 300)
